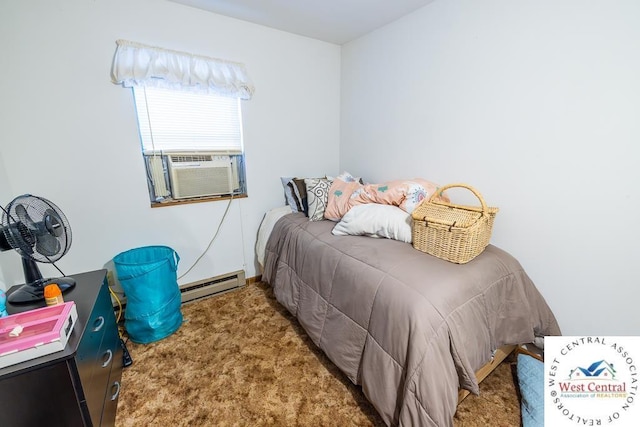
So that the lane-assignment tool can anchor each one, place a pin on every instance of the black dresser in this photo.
(79, 385)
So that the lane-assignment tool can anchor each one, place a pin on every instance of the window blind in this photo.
(173, 120)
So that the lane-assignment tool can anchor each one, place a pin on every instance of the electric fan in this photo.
(39, 231)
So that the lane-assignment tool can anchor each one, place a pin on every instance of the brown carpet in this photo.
(240, 359)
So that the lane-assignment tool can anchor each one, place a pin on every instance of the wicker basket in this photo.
(452, 232)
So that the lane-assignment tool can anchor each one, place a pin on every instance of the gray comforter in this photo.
(411, 329)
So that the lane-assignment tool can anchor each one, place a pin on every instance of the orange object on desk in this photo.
(53, 294)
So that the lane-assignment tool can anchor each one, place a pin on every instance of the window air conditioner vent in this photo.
(205, 174)
(191, 158)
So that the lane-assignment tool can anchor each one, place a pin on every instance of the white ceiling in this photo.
(334, 21)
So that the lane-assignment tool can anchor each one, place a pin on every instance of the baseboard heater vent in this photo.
(201, 289)
(212, 286)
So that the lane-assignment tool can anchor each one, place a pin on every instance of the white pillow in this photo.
(375, 220)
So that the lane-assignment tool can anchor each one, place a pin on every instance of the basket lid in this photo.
(457, 216)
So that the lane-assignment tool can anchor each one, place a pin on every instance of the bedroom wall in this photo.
(536, 105)
(68, 134)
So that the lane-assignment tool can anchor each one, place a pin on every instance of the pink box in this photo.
(35, 333)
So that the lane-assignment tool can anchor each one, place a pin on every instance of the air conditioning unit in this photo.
(202, 174)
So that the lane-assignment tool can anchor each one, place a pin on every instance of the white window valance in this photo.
(135, 64)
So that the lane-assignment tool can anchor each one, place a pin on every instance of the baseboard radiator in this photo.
(212, 286)
(203, 288)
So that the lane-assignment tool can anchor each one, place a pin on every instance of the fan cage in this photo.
(36, 228)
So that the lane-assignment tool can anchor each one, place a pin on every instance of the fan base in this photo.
(32, 292)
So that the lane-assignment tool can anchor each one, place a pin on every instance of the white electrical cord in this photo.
(211, 241)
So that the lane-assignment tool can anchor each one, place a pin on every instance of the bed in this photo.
(417, 333)
(411, 329)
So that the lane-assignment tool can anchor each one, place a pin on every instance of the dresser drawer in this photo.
(113, 388)
(96, 354)
(109, 360)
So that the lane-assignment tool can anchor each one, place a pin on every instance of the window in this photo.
(190, 120)
(191, 143)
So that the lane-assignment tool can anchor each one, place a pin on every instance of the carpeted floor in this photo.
(240, 359)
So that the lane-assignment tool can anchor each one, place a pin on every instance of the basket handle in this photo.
(440, 190)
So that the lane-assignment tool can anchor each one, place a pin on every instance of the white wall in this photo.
(535, 104)
(69, 134)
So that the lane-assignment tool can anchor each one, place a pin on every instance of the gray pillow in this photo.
(288, 193)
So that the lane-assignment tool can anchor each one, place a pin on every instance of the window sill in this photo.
(171, 202)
